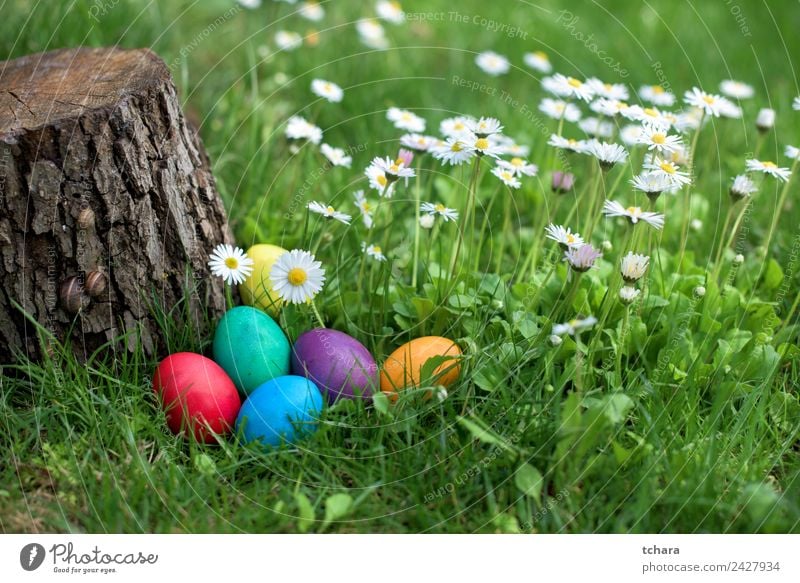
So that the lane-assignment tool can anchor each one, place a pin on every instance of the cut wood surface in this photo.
(107, 201)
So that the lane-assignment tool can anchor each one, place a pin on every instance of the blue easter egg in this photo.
(283, 408)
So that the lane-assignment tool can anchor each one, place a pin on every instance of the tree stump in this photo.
(107, 203)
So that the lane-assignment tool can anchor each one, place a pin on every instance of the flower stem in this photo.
(317, 314)
(416, 225)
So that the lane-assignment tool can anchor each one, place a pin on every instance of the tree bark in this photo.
(99, 173)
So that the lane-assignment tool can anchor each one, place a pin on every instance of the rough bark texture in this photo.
(100, 173)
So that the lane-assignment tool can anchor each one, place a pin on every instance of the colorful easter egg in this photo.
(257, 290)
(197, 395)
(251, 347)
(284, 408)
(403, 367)
(337, 363)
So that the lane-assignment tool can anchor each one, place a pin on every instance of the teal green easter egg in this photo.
(251, 348)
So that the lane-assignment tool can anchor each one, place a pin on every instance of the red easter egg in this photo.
(195, 392)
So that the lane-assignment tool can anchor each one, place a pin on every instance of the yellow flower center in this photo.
(667, 167)
(658, 138)
(394, 168)
(297, 276)
(769, 164)
(482, 143)
(232, 263)
(570, 238)
(439, 208)
(657, 89)
(376, 249)
(406, 116)
(573, 323)
(574, 82)
(381, 180)
(709, 99)
(506, 175)
(366, 207)
(456, 147)
(458, 126)
(517, 162)
(650, 111)
(330, 210)
(541, 55)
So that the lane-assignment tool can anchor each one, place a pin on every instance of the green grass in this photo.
(685, 420)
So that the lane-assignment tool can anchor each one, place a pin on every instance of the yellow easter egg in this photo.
(257, 290)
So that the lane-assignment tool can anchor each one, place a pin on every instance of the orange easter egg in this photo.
(403, 367)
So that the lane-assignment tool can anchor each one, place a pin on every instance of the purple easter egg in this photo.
(337, 363)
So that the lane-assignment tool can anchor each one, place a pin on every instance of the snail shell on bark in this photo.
(72, 296)
(96, 283)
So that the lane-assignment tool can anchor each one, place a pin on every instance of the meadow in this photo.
(580, 407)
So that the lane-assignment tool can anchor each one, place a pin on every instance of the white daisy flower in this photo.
(765, 120)
(689, 119)
(506, 176)
(612, 208)
(557, 109)
(652, 183)
(230, 263)
(511, 148)
(447, 214)
(538, 61)
(596, 127)
(484, 127)
(297, 128)
(792, 152)
(655, 137)
(729, 109)
(379, 181)
(657, 95)
(615, 91)
(492, 63)
(742, 186)
(418, 142)
(628, 294)
(455, 126)
(426, 221)
(607, 154)
(482, 146)
(519, 167)
(796, 103)
(251, 4)
(629, 134)
(373, 251)
(405, 120)
(390, 11)
(365, 208)
(669, 170)
(574, 326)
(453, 151)
(371, 33)
(767, 167)
(736, 89)
(708, 102)
(608, 107)
(564, 86)
(336, 156)
(329, 212)
(394, 169)
(633, 266)
(296, 276)
(570, 144)
(649, 115)
(582, 258)
(312, 11)
(563, 236)
(287, 40)
(327, 90)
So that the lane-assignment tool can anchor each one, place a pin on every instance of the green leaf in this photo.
(461, 301)
(381, 403)
(529, 481)
(773, 275)
(337, 507)
(305, 510)
(479, 431)
(616, 407)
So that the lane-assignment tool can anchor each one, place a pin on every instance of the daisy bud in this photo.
(738, 260)
(742, 187)
(607, 246)
(582, 258)
(696, 224)
(634, 266)
(426, 221)
(405, 156)
(563, 181)
(699, 291)
(556, 340)
(628, 295)
(765, 120)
